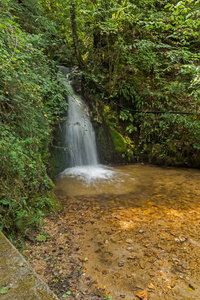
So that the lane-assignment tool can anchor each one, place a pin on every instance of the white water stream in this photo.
(80, 137)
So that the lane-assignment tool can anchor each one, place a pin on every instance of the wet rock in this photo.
(181, 239)
(121, 263)
(129, 241)
(130, 249)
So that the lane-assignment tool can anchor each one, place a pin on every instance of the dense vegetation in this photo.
(144, 56)
(31, 102)
(141, 55)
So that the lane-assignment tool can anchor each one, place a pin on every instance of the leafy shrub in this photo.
(31, 102)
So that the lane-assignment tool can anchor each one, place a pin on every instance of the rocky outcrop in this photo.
(18, 281)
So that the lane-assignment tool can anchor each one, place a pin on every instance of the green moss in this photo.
(47, 202)
(120, 144)
(58, 158)
(55, 203)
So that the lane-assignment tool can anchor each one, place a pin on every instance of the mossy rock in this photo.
(18, 280)
(120, 144)
(52, 202)
(49, 202)
(55, 203)
(59, 158)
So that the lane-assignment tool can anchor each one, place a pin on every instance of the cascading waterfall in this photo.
(80, 134)
(80, 137)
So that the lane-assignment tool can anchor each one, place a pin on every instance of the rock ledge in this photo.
(18, 281)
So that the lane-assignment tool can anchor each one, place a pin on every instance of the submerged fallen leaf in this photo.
(117, 274)
(142, 265)
(152, 286)
(191, 287)
(132, 256)
(143, 295)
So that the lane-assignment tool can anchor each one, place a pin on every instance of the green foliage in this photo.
(67, 294)
(120, 144)
(31, 102)
(4, 290)
(145, 56)
(41, 238)
(148, 54)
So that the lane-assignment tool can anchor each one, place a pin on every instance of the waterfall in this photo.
(80, 134)
(80, 138)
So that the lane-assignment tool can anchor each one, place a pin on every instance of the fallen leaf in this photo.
(191, 286)
(117, 274)
(4, 290)
(26, 253)
(152, 286)
(133, 256)
(142, 265)
(143, 295)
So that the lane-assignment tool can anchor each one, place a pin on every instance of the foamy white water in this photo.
(89, 174)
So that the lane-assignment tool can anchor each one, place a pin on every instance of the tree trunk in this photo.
(75, 36)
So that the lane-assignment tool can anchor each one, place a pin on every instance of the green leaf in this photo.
(66, 294)
(4, 290)
(41, 238)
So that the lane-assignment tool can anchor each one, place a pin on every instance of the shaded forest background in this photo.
(141, 55)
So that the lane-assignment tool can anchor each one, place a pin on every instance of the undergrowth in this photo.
(31, 103)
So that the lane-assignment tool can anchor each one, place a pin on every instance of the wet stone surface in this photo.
(18, 280)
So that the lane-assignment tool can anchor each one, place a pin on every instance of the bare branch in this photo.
(16, 41)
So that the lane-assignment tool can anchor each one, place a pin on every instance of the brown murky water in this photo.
(137, 180)
(138, 232)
